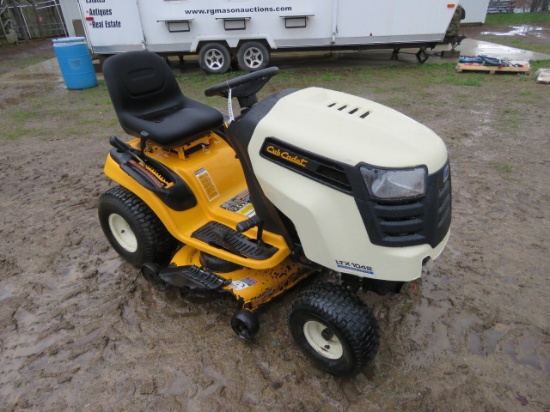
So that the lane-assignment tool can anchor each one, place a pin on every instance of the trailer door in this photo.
(112, 26)
(392, 21)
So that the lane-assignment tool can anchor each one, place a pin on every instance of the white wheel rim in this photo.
(253, 57)
(123, 233)
(213, 59)
(329, 348)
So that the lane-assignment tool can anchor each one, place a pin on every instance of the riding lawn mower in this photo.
(302, 183)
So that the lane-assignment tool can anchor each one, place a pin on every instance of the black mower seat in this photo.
(147, 98)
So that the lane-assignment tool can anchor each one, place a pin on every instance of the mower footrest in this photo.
(222, 236)
(193, 277)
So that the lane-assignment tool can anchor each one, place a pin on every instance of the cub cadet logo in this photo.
(275, 151)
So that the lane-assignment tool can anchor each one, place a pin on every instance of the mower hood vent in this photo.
(349, 109)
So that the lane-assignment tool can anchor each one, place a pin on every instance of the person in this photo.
(452, 35)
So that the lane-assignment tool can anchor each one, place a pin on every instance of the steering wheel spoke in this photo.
(243, 87)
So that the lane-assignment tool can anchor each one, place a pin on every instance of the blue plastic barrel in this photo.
(75, 62)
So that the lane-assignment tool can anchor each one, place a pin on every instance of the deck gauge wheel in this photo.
(245, 324)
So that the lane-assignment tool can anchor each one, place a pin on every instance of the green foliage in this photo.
(505, 170)
(539, 64)
(470, 79)
(330, 77)
(510, 119)
(510, 19)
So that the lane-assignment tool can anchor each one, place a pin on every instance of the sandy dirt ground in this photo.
(81, 330)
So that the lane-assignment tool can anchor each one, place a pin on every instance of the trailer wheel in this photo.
(422, 55)
(214, 58)
(132, 228)
(334, 329)
(252, 56)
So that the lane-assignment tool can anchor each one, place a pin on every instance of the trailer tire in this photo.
(422, 56)
(334, 329)
(214, 58)
(133, 229)
(253, 56)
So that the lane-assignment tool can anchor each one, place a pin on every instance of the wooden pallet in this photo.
(474, 67)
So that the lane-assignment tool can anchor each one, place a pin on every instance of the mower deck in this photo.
(251, 287)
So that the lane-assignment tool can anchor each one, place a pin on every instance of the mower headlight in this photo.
(394, 184)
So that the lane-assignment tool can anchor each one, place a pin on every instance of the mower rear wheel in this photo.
(132, 228)
(334, 329)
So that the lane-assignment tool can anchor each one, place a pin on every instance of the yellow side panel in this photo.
(215, 176)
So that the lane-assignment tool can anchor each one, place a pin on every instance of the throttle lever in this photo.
(248, 224)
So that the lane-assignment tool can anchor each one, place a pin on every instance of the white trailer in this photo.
(476, 11)
(249, 30)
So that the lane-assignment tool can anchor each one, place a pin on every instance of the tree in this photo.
(539, 5)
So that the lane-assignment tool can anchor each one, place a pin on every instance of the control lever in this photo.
(125, 148)
(249, 224)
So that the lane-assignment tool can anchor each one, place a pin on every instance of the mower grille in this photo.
(414, 222)
(394, 223)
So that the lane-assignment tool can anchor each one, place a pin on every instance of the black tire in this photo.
(422, 56)
(252, 56)
(132, 228)
(334, 329)
(214, 58)
(245, 324)
(150, 272)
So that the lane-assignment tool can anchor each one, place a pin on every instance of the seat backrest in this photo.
(140, 82)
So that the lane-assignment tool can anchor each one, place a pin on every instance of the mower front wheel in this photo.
(132, 228)
(334, 329)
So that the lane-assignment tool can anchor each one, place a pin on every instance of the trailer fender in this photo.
(232, 43)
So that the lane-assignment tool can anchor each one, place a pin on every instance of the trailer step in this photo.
(217, 234)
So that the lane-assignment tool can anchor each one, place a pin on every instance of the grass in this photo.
(24, 54)
(330, 77)
(539, 64)
(23, 115)
(17, 133)
(505, 170)
(43, 109)
(426, 92)
(510, 119)
(511, 19)
(517, 19)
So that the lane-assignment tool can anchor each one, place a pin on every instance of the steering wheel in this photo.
(243, 86)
